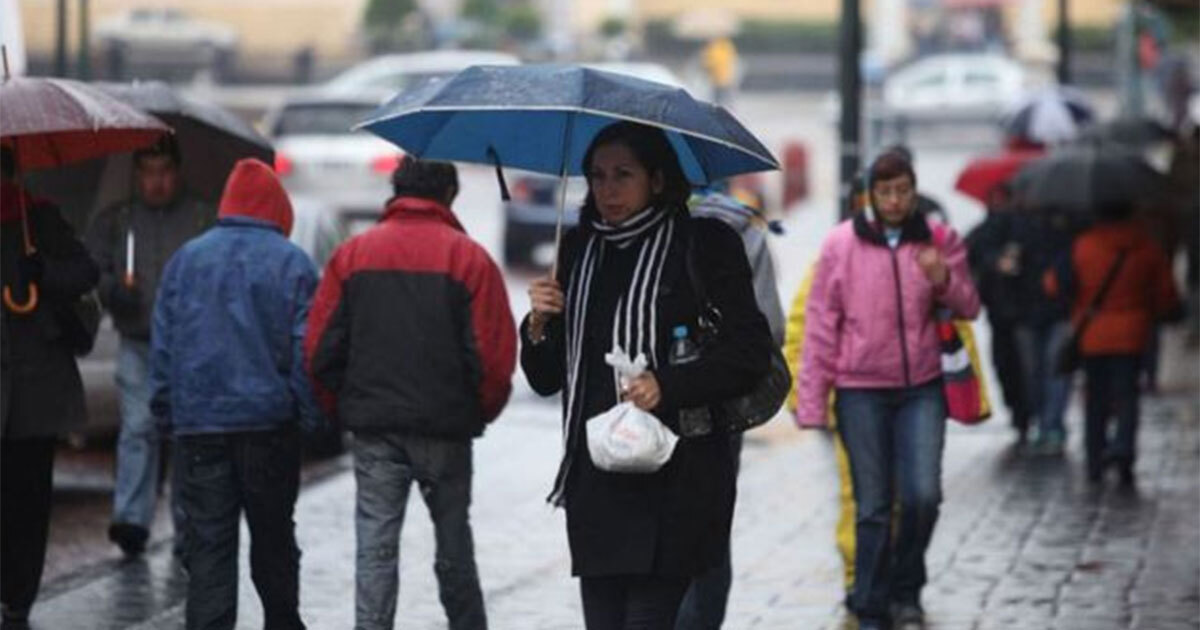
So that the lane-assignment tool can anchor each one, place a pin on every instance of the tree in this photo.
(522, 23)
(384, 23)
(612, 26)
(482, 11)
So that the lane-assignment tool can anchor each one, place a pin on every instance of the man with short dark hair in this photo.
(132, 242)
(411, 344)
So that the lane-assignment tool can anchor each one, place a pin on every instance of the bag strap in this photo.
(1094, 306)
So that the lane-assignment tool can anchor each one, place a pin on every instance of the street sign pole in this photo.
(849, 45)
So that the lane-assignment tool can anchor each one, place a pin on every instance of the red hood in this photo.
(254, 191)
(405, 208)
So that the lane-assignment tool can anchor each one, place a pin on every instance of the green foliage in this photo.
(522, 22)
(612, 26)
(760, 36)
(387, 14)
(484, 11)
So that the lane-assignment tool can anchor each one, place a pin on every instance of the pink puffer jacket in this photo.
(870, 319)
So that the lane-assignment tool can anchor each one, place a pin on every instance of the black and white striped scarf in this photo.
(634, 328)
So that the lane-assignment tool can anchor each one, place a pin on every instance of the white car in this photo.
(317, 155)
(143, 37)
(961, 85)
(388, 74)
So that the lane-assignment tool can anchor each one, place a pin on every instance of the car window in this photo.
(977, 77)
(321, 118)
(929, 80)
(400, 81)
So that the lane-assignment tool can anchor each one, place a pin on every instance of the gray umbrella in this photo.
(211, 141)
(1131, 132)
(1085, 178)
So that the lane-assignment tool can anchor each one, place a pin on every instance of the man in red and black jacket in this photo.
(411, 345)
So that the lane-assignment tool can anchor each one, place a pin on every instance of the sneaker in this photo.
(129, 537)
(1048, 446)
(908, 616)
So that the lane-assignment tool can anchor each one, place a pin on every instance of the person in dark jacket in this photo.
(132, 243)
(412, 346)
(228, 383)
(637, 540)
(42, 395)
(994, 255)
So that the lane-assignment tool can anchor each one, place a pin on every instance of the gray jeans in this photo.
(385, 465)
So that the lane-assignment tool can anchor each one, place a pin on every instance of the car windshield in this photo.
(321, 118)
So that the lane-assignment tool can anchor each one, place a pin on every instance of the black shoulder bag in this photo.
(764, 400)
(1069, 356)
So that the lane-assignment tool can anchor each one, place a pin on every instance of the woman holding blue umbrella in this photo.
(623, 281)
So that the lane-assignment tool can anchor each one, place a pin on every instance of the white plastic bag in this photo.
(627, 439)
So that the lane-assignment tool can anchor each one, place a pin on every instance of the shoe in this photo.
(129, 537)
(908, 616)
(871, 624)
(1048, 446)
(1128, 479)
(15, 619)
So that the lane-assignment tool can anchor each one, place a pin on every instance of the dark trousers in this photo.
(895, 439)
(385, 466)
(223, 475)
(704, 604)
(631, 602)
(26, 473)
(1112, 390)
(1007, 360)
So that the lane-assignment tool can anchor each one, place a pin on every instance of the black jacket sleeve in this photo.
(69, 270)
(733, 363)
(545, 363)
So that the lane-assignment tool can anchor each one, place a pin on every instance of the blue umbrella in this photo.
(543, 117)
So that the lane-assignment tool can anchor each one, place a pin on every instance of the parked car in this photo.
(314, 229)
(156, 40)
(955, 85)
(318, 154)
(391, 73)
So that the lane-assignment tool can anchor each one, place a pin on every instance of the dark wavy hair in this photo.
(653, 151)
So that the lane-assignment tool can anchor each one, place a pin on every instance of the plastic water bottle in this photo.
(696, 420)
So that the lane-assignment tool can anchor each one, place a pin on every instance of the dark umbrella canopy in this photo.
(52, 122)
(1085, 179)
(543, 117)
(211, 141)
(1130, 132)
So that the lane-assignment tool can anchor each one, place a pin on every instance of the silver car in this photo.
(317, 155)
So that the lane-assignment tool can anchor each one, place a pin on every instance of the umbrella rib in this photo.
(579, 110)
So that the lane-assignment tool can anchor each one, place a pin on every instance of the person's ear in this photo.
(451, 195)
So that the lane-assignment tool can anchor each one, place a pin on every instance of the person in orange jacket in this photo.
(1142, 291)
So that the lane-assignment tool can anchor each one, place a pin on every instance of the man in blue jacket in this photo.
(228, 378)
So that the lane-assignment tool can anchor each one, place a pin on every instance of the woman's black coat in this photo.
(675, 521)
(41, 388)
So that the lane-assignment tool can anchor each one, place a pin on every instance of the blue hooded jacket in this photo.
(230, 317)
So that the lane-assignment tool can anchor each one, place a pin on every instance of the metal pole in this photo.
(1064, 42)
(60, 39)
(850, 43)
(85, 44)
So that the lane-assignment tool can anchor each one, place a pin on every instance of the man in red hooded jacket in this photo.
(412, 344)
(227, 379)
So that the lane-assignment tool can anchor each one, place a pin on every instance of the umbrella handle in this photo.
(30, 304)
(562, 195)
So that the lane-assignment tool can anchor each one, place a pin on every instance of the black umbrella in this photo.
(211, 141)
(1131, 132)
(1086, 178)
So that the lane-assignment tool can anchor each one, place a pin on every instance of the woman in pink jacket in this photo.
(871, 338)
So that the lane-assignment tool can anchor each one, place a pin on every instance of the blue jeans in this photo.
(894, 438)
(139, 445)
(223, 476)
(385, 466)
(1048, 391)
(1112, 390)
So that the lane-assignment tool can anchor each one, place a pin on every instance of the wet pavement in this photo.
(1023, 542)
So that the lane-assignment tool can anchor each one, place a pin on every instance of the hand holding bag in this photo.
(626, 439)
